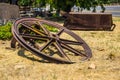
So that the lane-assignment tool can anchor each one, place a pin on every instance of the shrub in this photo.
(51, 28)
(5, 31)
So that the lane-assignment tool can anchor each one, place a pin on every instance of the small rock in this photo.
(19, 67)
(92, 66)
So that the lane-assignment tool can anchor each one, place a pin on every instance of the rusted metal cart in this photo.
(89, 21)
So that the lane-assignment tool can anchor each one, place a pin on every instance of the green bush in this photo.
(51, 28)
(5, 31)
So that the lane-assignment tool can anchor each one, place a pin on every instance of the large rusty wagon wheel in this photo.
(50, 41)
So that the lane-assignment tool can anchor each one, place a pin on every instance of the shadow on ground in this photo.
(21, 53)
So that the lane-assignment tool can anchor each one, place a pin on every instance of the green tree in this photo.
(24, 2)
(100, 3)
(66, 5)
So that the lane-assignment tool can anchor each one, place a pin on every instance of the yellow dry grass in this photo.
(105, 46)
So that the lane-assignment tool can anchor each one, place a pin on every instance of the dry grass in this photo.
(105, 46)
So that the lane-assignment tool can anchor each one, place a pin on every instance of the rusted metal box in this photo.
(89, 21)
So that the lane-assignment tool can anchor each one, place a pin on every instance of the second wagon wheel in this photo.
(50, 41)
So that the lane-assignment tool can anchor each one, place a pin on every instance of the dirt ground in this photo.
(17, 64)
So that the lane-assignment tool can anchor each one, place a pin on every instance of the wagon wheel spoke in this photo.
(70, 42)
(46, 45)
(35, 36)
(60, 49)
(33, 29)
(44, 29)
(60, 32)
(75, 51)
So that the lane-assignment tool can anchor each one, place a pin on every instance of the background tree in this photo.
(24, 2)
(66, 5)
